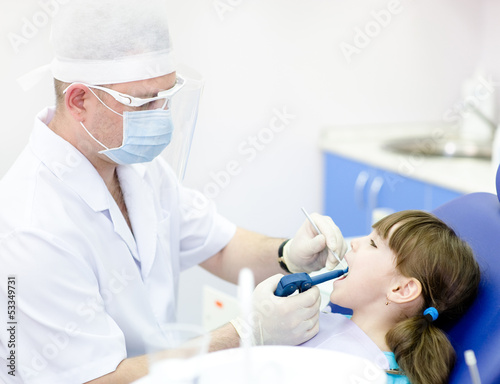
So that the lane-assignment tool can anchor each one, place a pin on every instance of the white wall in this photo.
(263, 56)
(285, 54)
(489, 42)
(18, 107)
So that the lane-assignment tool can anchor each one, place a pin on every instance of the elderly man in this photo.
(95, 228)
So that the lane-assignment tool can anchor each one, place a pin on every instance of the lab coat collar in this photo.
(139, 199)
(76, 171)
(68, 163)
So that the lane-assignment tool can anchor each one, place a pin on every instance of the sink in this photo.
(445, 147)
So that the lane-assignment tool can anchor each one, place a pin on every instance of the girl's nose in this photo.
(354, 244)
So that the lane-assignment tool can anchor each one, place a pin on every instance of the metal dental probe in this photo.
(319, 233)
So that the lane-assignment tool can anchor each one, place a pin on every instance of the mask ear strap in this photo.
(89, 87)
(102, 102)
(92, 136)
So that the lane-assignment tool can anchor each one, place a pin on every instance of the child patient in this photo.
(406, 279)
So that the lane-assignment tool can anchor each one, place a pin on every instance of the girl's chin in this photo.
(336, 297)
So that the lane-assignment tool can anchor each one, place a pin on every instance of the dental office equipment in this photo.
(470, 360)
(319, 233)
(302, 281)
(246, 285)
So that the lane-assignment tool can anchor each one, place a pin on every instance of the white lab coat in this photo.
(88, 289)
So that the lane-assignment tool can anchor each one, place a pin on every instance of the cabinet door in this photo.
(345, 194)
(399, 192)
(355, 191)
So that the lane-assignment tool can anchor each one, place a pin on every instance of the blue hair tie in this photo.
(431, 314)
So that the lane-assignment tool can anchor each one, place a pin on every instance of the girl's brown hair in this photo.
(430, 251)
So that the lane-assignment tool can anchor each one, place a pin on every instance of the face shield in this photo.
(184, 106)
(105, 42)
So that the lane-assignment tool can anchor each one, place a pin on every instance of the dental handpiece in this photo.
(302, 281)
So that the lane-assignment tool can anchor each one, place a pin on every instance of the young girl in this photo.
(408, 277)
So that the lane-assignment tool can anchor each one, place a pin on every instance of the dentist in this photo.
(95, 227)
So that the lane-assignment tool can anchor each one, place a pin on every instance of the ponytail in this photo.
(422, 350)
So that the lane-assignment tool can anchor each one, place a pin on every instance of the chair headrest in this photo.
(476, 218)
(498, 183)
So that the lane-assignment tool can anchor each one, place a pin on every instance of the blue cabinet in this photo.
(356, 193)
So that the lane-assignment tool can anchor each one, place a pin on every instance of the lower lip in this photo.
(341, 278)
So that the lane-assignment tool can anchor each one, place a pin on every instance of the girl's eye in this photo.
(372, 243)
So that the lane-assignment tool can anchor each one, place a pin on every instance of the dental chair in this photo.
(476, 219)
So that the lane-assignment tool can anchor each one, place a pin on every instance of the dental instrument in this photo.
(302, 281)
(246, 285)
(319, 233)
(470, 360)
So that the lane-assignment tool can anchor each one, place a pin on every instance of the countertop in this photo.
(364, 143)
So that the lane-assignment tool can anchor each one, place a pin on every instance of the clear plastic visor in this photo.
(184, 109)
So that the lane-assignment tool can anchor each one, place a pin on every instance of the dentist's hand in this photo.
(308, 251)
(280, 320)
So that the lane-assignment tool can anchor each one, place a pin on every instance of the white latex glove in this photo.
(280, 320)
(308, 251)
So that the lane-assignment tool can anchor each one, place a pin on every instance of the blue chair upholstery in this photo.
(476, 219)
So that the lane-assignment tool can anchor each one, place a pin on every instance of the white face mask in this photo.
(145, 134)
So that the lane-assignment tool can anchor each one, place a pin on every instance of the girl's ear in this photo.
(405, 290)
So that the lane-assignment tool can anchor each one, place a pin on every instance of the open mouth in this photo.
(342, 277)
